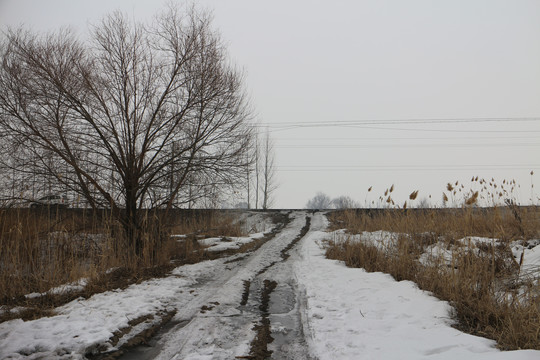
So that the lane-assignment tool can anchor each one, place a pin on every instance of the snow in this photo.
(382, 240)
(62, 289)
(256, 222)
(230, 242)
(353, 314)
(531, 255)
(83, 324)
(346, 313)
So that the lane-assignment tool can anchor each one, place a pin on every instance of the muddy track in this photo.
(263, 285)
(259, 345)
(137, 345)
(278, 300)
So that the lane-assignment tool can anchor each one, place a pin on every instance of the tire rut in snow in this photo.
(259, 345)
(263, 332)
(286, 316)
(133, 340)
(285, 251)
(245, 294)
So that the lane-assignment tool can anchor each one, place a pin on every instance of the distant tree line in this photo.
(323, 201)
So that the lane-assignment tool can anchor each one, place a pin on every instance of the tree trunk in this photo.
(132, 226)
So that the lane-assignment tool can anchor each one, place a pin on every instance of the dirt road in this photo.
(248, 306)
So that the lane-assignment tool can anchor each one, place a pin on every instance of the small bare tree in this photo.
(256, 161)
(319, 201)
(268, 172)
(261, 171)
(344, 202)
(142, 116)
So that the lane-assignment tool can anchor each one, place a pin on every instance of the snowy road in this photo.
(225, 329)
(312, 307)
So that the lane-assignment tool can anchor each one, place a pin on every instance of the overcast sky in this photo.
(371, 93)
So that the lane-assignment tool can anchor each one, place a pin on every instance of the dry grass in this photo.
(481, 281)
(36, 254)
(41, 250)
(506, 223)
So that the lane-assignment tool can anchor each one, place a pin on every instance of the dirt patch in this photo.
(240, 258)
(259, 345)
(26, 314)
(210, 307)
(245, 294)
(285, 252)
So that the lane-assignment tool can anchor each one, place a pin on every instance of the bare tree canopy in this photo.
(140, 116)
(344, 202)
(319, 201)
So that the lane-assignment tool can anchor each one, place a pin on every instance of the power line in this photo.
(365, 124)
(407, 138)
(421, 130)
(525, 166)
(370, 146)
(347, 168)
(396, 121)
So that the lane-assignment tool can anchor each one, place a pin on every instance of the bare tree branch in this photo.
(129, 120)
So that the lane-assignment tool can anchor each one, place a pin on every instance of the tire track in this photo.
(244, 294)
(264, 335)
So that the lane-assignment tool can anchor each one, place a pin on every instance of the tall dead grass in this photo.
(505, 223)
(481, 281)
(41, 249)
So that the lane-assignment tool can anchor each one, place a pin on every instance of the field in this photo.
(483, 261)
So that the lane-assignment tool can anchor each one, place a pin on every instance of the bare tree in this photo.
(141, 116)
(268, 172)
(261, 172)
(344, 202)
(256, 161)
(319, 201)
(248, 181)
(424, 203)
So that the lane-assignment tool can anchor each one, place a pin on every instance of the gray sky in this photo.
(372, 93)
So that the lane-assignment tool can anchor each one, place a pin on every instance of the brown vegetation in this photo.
(481, 281)
(41, 250)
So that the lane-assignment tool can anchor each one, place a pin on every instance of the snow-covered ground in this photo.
(342, 313)
(353, 314)
(229, 242)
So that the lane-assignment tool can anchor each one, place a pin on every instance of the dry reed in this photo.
(42, 249)
(482, 284)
